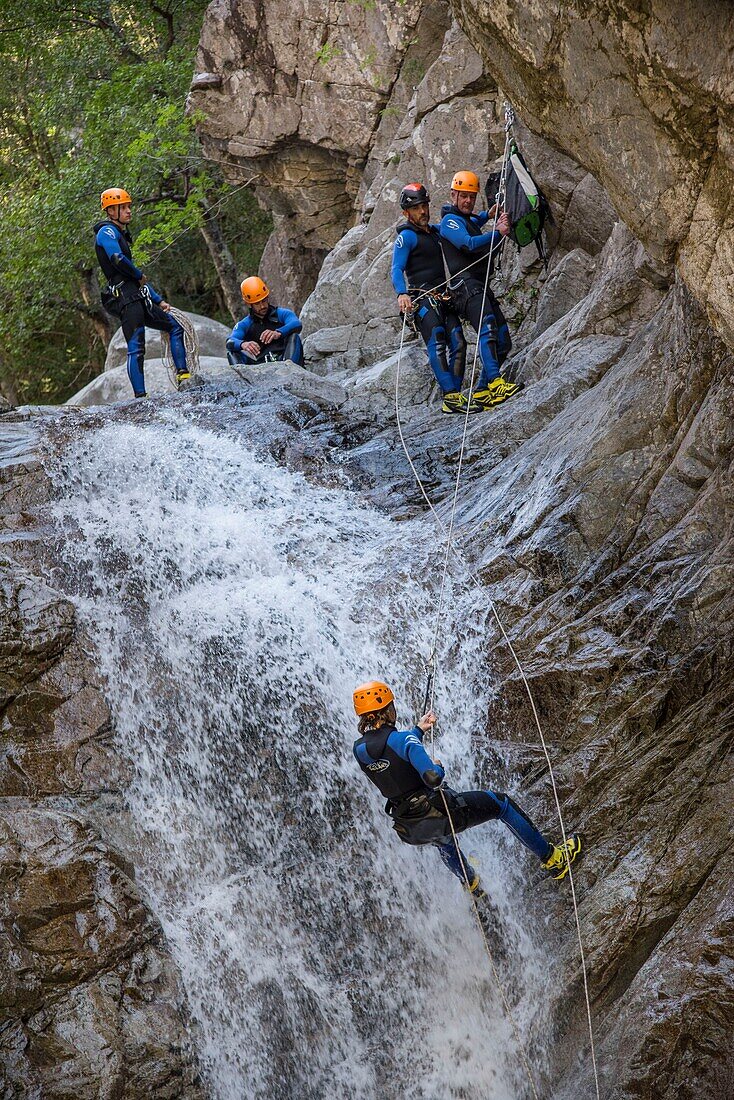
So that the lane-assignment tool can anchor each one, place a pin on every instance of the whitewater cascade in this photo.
(234, 605)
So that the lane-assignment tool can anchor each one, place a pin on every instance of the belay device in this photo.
(525, 203)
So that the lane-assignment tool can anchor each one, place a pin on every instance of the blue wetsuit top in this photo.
(419, 255)
(109, 240)
(455, 230)
(407, 745)
(250, 328)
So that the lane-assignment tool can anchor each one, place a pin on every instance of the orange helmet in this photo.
(465, 181)
(374, 695)
(253, 290)
(113, 196)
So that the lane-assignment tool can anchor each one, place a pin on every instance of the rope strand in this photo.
(449, 532)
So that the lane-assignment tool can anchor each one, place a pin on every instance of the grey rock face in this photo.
(299, 95)
(638, 98)
(89, 1000)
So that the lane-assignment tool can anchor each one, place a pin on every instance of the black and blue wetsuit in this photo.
(136, 305)
(465, 243)
(288, 346)
(399, 766)
(417, 264)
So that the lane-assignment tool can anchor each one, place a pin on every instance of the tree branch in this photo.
(167, 14)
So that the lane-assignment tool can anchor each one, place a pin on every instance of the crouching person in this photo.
(268, 334)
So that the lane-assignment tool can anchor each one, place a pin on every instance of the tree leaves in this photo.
(93, 96)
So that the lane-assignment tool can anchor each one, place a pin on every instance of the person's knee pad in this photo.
(294, 350)
(504, 342)
(488, 327)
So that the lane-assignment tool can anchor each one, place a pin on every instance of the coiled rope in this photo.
(430, 663)
(191, 346)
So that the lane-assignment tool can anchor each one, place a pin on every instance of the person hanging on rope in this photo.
(128, 294)
(469, 250)
(417, 265)
(268, 333)
(397, 763)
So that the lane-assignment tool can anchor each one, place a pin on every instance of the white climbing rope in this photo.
(191, 346)
(467, 413)
(431, 659)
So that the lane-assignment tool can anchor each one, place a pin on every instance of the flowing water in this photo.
(234, 606)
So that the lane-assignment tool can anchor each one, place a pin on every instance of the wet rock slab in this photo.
(89, 1000)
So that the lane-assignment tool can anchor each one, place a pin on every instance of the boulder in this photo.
(212, 337)
(113, 385)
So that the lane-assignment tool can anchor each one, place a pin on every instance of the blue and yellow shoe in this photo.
(562, 856)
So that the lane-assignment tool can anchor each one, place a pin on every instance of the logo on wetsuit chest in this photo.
(378, 766)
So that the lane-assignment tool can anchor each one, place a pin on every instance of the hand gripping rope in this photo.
(430, 663)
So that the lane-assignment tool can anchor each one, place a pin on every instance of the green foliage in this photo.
(327, 53)
(93, 96)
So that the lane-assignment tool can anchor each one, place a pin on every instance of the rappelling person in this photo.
(129, 295)
(268, 334)
(413, 784)
(469, 250)
(417, 267)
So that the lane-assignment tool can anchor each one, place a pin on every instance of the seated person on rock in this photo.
(417, 265)
(128, 294)
(268, 334)
(401, 769)
(469, 251)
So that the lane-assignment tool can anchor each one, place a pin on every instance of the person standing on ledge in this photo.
(417, 268)
(469, 251)
(128, 294)
(268, 334)
(413, 784)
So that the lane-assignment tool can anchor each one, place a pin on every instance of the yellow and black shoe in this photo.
(476, 889)
(494, 394)
(511, 388)
(182, 376)
(457, 403)
(562, 856)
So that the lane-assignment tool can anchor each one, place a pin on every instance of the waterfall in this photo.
(234, 605)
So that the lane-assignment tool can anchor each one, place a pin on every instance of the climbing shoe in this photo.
(457, 403)
(557, 864)
(511, 388)
(476, 889)
(496, 392)
(182, 376)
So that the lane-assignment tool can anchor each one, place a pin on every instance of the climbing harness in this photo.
(191, 346)
(448, 531)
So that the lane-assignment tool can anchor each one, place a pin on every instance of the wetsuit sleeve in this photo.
(401, 250)
(288, 322)
(454, 230)
(408, 744)
(107, 239)
(154, 295)
(238, 334)
(482, 217)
